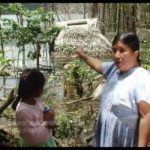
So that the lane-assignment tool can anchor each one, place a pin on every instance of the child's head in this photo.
(31, 84)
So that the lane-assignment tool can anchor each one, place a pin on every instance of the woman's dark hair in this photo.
(130, 39)
(31, 80)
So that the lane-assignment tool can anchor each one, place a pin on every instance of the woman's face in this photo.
(124, 57)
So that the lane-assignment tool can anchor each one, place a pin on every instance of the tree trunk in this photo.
(114, 17)
(133, 17)
(84, 10)
(2, 44)
(50, 7)
(94, 10)
(67, 11)
(103, 18)
(38, 47)
(23, 47)
(123, 18)
(109, 17)
(139, 12)
(23, 56)
(57, 15)
(45, 6)
(3, 53)
(118, 17)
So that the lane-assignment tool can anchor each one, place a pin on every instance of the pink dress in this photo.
(29, 119)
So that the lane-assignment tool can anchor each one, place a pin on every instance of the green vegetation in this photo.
(39, 29)
(145, 54)
(5, 65)
(30, 6)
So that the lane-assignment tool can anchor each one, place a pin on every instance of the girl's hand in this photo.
(48, 116)
(50, 124)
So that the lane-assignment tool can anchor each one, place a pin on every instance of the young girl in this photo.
(34, 130)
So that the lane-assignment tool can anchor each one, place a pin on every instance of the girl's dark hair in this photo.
(31, 80)
(130, 39)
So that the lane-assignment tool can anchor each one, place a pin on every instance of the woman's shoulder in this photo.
(107, 68)
(142, 71)
(142, 75)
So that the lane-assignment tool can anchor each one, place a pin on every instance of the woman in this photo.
(124, 110)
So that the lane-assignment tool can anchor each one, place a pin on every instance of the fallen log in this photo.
(82, 99)
(10, 99)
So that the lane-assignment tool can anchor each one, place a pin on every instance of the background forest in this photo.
(112, 16)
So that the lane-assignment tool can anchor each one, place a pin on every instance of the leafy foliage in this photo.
(5, 65)
(33, 27)
(145, 54)
(81, 69)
